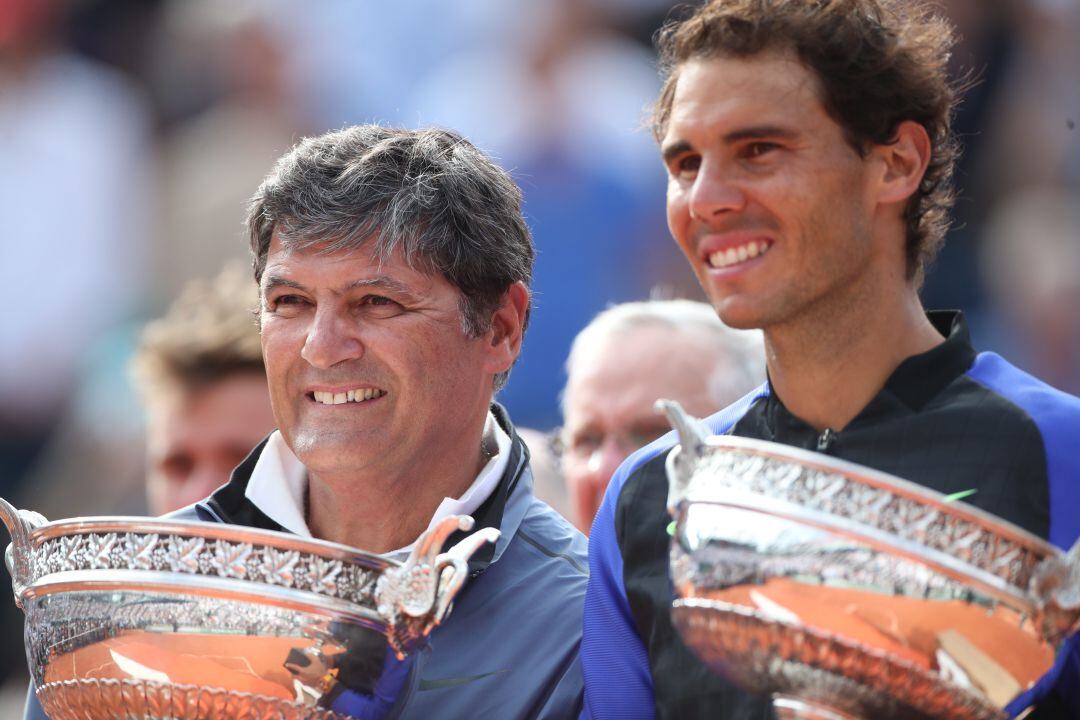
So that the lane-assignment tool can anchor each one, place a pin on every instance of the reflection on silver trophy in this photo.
(848, 593)
(141, 618)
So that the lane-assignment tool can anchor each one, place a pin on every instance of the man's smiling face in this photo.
(766, 197)
(368, 364)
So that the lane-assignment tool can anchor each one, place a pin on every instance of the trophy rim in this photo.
(881, 541)
(276, 539)
(195, 558)
(884, 481)
(212, 588)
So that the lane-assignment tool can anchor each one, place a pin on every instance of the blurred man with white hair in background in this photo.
(626, 359)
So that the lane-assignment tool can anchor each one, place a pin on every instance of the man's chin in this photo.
(331, 452)
(738, 314)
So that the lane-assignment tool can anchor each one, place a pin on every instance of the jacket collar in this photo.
(913, 383)
(921, 377)
(502, 510)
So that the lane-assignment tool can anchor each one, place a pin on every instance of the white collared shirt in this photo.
(279, 481)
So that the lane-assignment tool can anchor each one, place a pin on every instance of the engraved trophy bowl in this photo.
(133, 618)
(846, 593)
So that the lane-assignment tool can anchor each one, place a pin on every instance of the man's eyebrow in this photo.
(275, 281)
(753, 132)
(383, 282)
(668, 152)
(756, 132)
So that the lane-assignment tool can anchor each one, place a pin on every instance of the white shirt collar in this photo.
(278, 483)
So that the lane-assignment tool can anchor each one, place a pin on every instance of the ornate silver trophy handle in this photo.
(18, 556)
(415, 598)
(682, 460)
(1055, 587)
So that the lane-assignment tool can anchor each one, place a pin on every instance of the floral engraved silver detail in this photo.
(230, 559)
(279, 566)
(419, 590)
(69, 556)
(363, 587)
(99, 549)
(1056, 588)
(141, 550)
(184, 553)
(246, 561)
(836, 494)
(324, 574)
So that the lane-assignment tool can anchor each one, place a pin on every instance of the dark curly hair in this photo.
(880, 62)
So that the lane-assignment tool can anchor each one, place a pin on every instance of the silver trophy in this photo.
(132, 618)
(846, 593)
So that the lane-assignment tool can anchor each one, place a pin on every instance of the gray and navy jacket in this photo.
(951, 419)
(509, 648)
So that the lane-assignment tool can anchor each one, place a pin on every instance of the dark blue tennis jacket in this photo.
(951, 419)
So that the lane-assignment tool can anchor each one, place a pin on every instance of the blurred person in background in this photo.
(235, 114)
(562, 107)
(626, 359)
(73, 185)
(74, 198)
(1017, 126)
(1031, 264)
(200, 374)
(548, 482)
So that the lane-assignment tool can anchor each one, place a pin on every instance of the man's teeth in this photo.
(723, 258)
(358, 395)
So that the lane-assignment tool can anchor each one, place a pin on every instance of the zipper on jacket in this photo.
(825, 440)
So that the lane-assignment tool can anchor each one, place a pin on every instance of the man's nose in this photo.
(331, 339)
(716, 190)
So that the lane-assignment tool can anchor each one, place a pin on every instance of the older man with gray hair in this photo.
(629, 356)
(393, 270)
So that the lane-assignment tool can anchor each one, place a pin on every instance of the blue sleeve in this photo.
(618, 681)
(33, 707)
(1060, 687)
(1057, 416)
(618, 684)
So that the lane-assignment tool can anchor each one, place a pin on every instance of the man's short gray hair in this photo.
(429, 193)
(742, 350)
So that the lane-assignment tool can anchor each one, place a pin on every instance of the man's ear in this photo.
(903, 162)
(507, 328)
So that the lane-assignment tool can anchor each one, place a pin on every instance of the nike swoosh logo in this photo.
(454, 682)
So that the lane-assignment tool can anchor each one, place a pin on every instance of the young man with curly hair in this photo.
(809, 155)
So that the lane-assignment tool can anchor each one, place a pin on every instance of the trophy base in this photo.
(815, 670)
(793, 708)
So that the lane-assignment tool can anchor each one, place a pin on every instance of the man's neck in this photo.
(383, 510)
(827, 369)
